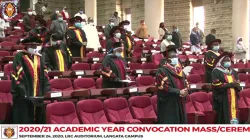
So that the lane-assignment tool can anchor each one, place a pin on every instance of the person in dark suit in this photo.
(176, 37)
(58, 26)
(210, 37)
(108, 28)
(28, 21)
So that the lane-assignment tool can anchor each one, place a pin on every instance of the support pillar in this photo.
(91, 9)
(154, 15)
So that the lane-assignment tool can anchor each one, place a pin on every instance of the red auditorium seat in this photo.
(96, 66)
(182, 57)
(145, 81)
(197, 69)
(246, 96)
(244, 109)
(156, 58)
(15, 38)
(142, 109)
(94, 54)
(99, 83)
(148, 65)
(61, 84)
(84, 83)
(117, 111)
(5, 93)
(137, 52)
(134, 66)
(61, 113)
(7, 69)
(4, 53)
(193, 116)
(244, 78)
(7, 45)
(239, 65)
(202, 103)
(194, 79)
(154, 102)
(91, 112)
(248, 65)
(138, 43)
(80, 66)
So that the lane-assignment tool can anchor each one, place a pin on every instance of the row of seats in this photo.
(138, 109)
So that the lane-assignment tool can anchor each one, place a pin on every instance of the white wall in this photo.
(154, 15)
(241, 22)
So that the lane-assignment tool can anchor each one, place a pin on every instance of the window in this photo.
(199, 16)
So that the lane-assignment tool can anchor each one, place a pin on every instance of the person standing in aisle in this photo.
(171, 84)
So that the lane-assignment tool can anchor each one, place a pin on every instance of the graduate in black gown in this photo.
(170, 81)
(225, 89)
(29, 79)
(209, 58)
(76, 38)
(127, 38)
(56, 55)
(40, 31)
(114, 68)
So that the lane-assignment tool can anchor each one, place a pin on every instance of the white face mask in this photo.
(241, 42)
(118, 35)
(31, 50)
(57, 12)
(30, 13)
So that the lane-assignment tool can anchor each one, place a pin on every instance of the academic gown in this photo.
(55, 57)
(42, 35)
(118, 67)
(209, 59)
(225, 95)
(76, 41)
(128, 43)
(29, 79)
(170, 106)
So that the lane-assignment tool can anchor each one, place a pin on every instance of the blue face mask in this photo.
(176, 30)
(118, 54)
(227, 64)
(78, 25)
(216, 48)
(174, 61)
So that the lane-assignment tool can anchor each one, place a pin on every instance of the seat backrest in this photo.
(91, 112)
(154, 102)
(156, 58)
(246, 95)
(194, 79)
(145, 81)
(201, 101)
(61, 84)
(117, 109)
(239, 65)
(5, 91)
(7, 69)
(137, 52)
(80, 66)
(61, 113)
(84, 83)
(141, 107)
(134, 66)
(4, 53)
(99, 83)
(148, 65)
(243, 77)
(241, 101)
(94, 54)
(189, 105)
(96, 66)
(7, 44)
(197, 69)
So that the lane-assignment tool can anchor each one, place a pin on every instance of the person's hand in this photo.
(184, 92)
(128, 78)
(236, 84)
